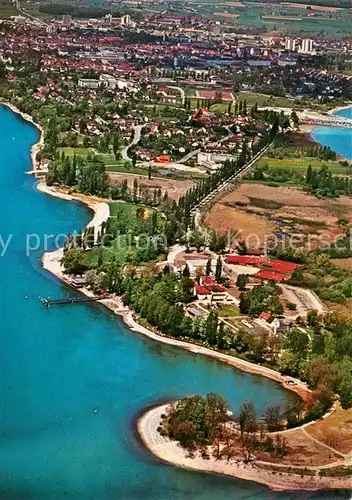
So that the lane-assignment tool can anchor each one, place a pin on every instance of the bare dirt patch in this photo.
(227, 15)
(335, 430)
(302, 451)
(175, 188)
(303, 139)
(224, 218)
(260, 209)
(182, 257)
(344, 263)
(342, 309)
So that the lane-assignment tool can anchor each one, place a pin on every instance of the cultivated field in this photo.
(321, 8)
(227, 15)
(231, 4)
(264, 210)
(301, 164)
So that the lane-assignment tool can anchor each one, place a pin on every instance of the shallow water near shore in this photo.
(337, 138)
(59, 364)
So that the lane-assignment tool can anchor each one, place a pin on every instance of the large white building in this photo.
(307, 46)
(290, 44)
(108, 81)
(88, 83)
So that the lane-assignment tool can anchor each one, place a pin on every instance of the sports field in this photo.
(211, 94)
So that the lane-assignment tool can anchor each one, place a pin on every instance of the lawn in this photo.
(75, 151)
(222, 107)
(122, 252)
(126, 217)
(227, 311)
(114, 165)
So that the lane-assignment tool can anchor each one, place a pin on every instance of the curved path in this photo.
(180, 90)
(171, 452)
(136, 138)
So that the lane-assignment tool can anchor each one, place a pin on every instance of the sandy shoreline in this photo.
(170, 452)
(98, 206)
(51, 262)
(339, 108)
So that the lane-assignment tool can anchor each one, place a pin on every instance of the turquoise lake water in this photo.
(338, 139)
(58, 364)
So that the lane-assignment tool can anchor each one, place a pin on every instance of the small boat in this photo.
(95, 411)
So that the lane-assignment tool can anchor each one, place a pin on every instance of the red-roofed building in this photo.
(266, 316)
(270, 275)
(216, 288)
(255, 251)
(212, 291)
(163, 159)
(245, 260)
(207, 280)
(201, 292)
(283, 266)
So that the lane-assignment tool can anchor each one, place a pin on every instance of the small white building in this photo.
(88, 83)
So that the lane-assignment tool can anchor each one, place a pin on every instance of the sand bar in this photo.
(171, 452)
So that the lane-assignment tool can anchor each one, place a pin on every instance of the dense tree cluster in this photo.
(263, 298)
(322, 182)
(330, 282)
(341, 248)
(87, 176)
(202, 424)
(195, 420)
(160, 301)
(324, 359)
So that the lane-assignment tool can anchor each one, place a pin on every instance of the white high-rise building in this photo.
(290, 44)
(125, 20)
(307, 46)
(50, 28)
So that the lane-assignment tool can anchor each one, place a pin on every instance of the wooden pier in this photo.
(71, 300)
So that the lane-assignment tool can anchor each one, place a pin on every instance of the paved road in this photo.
(189, 155)
(303, 298)
(176, 249)
(136, 137)
(35, 19)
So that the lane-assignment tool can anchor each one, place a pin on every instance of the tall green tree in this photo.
(218, 270)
